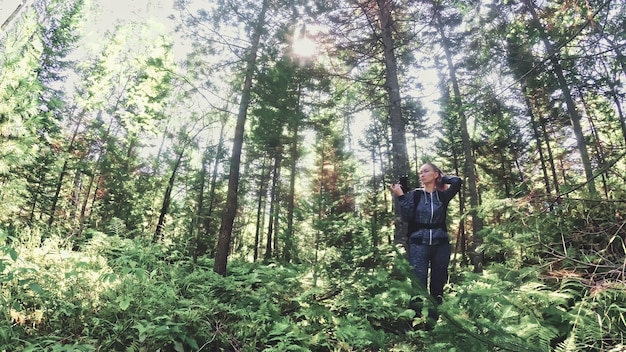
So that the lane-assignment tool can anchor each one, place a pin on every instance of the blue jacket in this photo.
(427, 218)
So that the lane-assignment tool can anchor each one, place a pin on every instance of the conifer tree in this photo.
(228, 218)
(36, 42)
(376, 37)
(572, 109)
(441, 27)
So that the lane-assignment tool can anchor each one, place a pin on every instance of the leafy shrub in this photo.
(50, 289)
(130, 295)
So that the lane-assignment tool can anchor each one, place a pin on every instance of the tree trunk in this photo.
(206, 216)
(569, 101)
(272, 227)
(551, 160)
(260, 214)
(195, 221)
(399, 151)
(228, 218)
(383, 151)
(277, 208)
(536, 134)
(469, 170)
(167, 198)
(83, 217)
(55, 198)
(375, 192)
(505, 172)
(599, 150)
(57, 193)
(461, 240)
(289, 242)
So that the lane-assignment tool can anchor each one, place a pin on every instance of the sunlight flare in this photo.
(303, 47)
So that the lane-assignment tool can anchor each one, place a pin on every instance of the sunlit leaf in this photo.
(124, 302)
(35, 288)
(13, 254)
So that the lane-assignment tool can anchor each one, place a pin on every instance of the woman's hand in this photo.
(396, 189)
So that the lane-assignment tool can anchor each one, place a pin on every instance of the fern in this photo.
(569, 345)
(149, 297)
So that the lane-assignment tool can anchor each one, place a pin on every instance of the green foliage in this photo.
(123, 294)
(556, 275)
(120, 294)
(507, 311)
(571, 252)
(19, 118)
(48, 288)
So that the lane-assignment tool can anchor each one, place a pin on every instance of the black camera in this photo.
(404, 183)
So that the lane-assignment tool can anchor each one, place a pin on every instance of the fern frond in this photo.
(569, 345)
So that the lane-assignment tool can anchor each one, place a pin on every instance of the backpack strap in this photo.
(417, 194)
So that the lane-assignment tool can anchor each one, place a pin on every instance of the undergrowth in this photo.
(115, 294)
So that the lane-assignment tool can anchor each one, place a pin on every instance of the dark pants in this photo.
(437, 257)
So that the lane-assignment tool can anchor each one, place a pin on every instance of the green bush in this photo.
(129, 295)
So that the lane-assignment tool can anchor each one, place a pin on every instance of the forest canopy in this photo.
(182, 175)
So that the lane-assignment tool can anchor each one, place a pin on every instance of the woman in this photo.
(424, 209)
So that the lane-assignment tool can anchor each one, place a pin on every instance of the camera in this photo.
(404, 183)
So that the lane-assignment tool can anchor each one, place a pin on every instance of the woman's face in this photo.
(428, 174)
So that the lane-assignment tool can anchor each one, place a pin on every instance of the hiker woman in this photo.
(424, 209)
